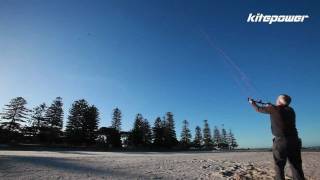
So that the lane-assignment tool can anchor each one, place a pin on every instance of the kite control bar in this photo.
(258, 101)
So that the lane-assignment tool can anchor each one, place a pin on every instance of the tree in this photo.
(54, 114)
(170, 132)
(207, 140)
(232, 142)
(38, 118)
(224, 138)
(197, 142)
(82, 123)
(14, 114)
(91, 124)
(136, 136)
(185, 134)
(52, 129)
(158, 133)
(116, 119)
(216, 137)
(147, 134)
(140, 135)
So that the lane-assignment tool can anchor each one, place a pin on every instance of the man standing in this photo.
(286, 143)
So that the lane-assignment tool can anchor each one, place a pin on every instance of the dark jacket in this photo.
(283, 119)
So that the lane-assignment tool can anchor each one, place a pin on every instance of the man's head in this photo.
(283, 100)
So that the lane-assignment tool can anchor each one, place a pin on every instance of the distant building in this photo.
(111, 138)
(124, 138)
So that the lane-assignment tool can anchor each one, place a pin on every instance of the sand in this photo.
(145, 165)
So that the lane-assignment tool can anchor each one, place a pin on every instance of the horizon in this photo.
(193, 59)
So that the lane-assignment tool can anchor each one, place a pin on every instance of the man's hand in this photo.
(250, 100)
(261, 107)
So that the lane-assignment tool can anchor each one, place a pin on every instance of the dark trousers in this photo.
(287, 148)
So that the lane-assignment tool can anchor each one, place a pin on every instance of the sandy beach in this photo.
(145, 165)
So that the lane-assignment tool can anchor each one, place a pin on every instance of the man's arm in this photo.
(267, 109)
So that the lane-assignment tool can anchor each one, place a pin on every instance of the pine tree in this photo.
(216, 137)
(14, 114)
(54, 114)
(185, 134)
(76, 119)
(141, 135)
(158, 133)
(223, 134)
(91, 124)
(232, 142)
(224, 138)
(170, 132)
(82, 122)
(38, 118)
(197, 142)
(147, 134)
(116, 119)
(207, 140)
(136, 135)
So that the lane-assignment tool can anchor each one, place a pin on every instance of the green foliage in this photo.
(224, 139)
(147, 133)
(15, 113)
(216, 137)
(197, 142)
(82, 123)
(207, 139)
(38, 119)
(232, 142)
(51, 130)
(45, 126)
(185, 134)
(136, 136)
(116, 119)
(158, 133)
(54, 114)
(140, 135)
(170, 137)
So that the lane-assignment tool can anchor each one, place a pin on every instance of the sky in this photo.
(152, 57)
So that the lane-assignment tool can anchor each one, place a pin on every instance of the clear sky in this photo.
(151, 57)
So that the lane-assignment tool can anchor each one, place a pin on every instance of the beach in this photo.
(145, 165)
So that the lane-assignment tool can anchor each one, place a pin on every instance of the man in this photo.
(286, 143)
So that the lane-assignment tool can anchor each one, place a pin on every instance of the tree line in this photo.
(44, 124)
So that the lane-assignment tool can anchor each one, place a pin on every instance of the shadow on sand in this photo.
(76, 168)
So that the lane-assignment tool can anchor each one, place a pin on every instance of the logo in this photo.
(259, 17)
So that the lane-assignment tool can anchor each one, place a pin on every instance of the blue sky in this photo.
(151, 57)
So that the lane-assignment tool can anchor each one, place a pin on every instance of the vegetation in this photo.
(158, 133)
(82, 123)
(207, 140)
(15, 113)
(44, 125)
(140, 135)
(170, 137)
(116, 119)
(185, 135)
(198, 140)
